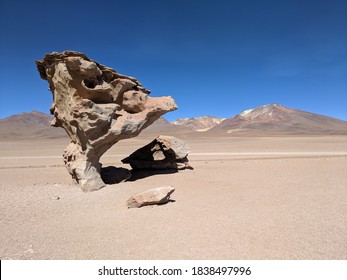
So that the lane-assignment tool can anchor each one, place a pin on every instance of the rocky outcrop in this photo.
(164, 152)
(97, 107)
(159, 195)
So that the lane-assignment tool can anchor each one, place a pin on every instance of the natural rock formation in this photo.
(164, 152)
(159, 195)
(97, 107)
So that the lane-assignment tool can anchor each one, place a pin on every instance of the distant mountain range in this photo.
(278, 119)
(199, 124)
(34, 118)
(29, 126)
(272, 119)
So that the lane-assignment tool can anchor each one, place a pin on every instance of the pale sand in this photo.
(247, 198)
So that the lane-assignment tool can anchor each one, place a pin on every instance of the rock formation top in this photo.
(97, 107)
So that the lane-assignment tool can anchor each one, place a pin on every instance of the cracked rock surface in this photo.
(97, 107)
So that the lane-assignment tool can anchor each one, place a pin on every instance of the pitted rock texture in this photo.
(160, 195)
(97, 107)
(164, 152)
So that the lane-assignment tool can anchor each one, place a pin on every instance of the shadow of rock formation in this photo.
(141, 174)
(115, 175)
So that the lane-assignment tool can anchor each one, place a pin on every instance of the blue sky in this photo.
(214, 57)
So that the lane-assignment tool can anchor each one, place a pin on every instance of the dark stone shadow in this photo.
(138, 174)
(159, 204)
(113, 175)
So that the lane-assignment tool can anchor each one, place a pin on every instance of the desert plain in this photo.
(248, 197)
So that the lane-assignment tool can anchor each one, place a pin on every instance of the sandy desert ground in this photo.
(247, 198)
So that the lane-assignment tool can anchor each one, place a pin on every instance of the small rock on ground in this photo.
(158, 195)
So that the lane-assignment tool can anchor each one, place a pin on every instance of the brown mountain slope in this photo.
(278, 119)
(29, 126)
(33, 119)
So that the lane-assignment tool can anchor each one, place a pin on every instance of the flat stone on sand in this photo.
(160, 195)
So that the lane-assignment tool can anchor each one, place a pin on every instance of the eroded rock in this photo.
(97, 107)
(164, 152)
(160, 195)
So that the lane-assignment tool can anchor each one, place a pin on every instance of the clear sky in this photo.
(214, 57)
